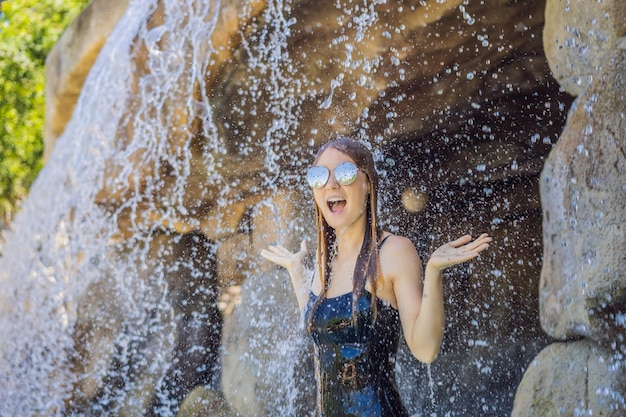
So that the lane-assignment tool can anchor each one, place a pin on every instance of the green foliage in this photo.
(29, 29)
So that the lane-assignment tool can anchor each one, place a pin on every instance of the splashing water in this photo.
(67, 240)
(72, 234)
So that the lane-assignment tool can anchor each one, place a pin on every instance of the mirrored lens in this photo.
(345, 173)
(317, 176)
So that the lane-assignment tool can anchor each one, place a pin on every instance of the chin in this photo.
(340, 222)
(334, 224)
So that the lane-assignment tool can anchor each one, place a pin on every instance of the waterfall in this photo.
(65, 242)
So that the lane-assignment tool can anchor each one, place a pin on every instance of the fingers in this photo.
(463, 257)
(470, 245)
(461, 241)
(483, 238)
(460, 250)
(480, 244)
(270, 256)
(483, 242)
(280, 255)
(303, 249)
(278, 249)
(274, 252)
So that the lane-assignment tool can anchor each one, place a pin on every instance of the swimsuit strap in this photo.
(380, 245)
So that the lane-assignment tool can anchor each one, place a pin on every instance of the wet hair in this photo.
(367, 268)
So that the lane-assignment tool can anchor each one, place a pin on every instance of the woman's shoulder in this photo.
(398, 259)
(396, 251)
(396, 242)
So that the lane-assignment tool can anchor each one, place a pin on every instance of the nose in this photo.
(332, 181)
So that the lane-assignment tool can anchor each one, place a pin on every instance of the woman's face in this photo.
(341, 205)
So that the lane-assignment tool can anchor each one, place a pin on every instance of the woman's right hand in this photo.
(293, 262)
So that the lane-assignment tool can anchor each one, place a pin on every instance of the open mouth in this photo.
(336, 205)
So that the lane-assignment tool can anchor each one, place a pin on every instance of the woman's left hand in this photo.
(461, 250)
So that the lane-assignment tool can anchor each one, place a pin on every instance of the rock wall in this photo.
(70, 60)
(582, 289)
(457, 100)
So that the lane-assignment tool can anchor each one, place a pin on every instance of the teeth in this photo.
(335, 199)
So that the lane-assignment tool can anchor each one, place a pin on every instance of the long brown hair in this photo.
(367, 269)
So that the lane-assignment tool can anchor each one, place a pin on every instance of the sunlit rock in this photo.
(205, 402)
(582, 284)
(577, 378)
(577, 36)
(266, 361)
(178, 276)
(582, 291)
(70, 60)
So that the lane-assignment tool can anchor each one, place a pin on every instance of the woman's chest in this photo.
(333, 320)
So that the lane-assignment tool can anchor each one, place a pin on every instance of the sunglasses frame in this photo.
(317, 176)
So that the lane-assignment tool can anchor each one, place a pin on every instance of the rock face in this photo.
(69, 62)
(582, 292)
(572, 379)
(577, 38)
(457, 102)
(582, 287)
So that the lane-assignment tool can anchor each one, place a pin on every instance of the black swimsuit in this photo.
(355, 363)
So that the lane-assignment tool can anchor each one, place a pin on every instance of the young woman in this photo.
(367, 285)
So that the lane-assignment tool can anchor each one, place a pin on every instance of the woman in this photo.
(368, 283)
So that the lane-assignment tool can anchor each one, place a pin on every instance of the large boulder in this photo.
(582, 292)
(69, 62)
(582, 284)
(569, 379)
(576, 38)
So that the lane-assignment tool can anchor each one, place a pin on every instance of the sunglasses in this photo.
(345, 173)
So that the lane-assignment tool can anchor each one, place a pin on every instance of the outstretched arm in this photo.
(420, 304)
(294, 263)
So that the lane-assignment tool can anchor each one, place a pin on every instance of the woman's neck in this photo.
(350, 239)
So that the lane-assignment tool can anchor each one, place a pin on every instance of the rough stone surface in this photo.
(582, 291)
(205, 402)
(421, 61)
(576, 37)
(267, 362)
(169, 272)
(582, 284)
(569, 379)
(70, 60)
(263, 339)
